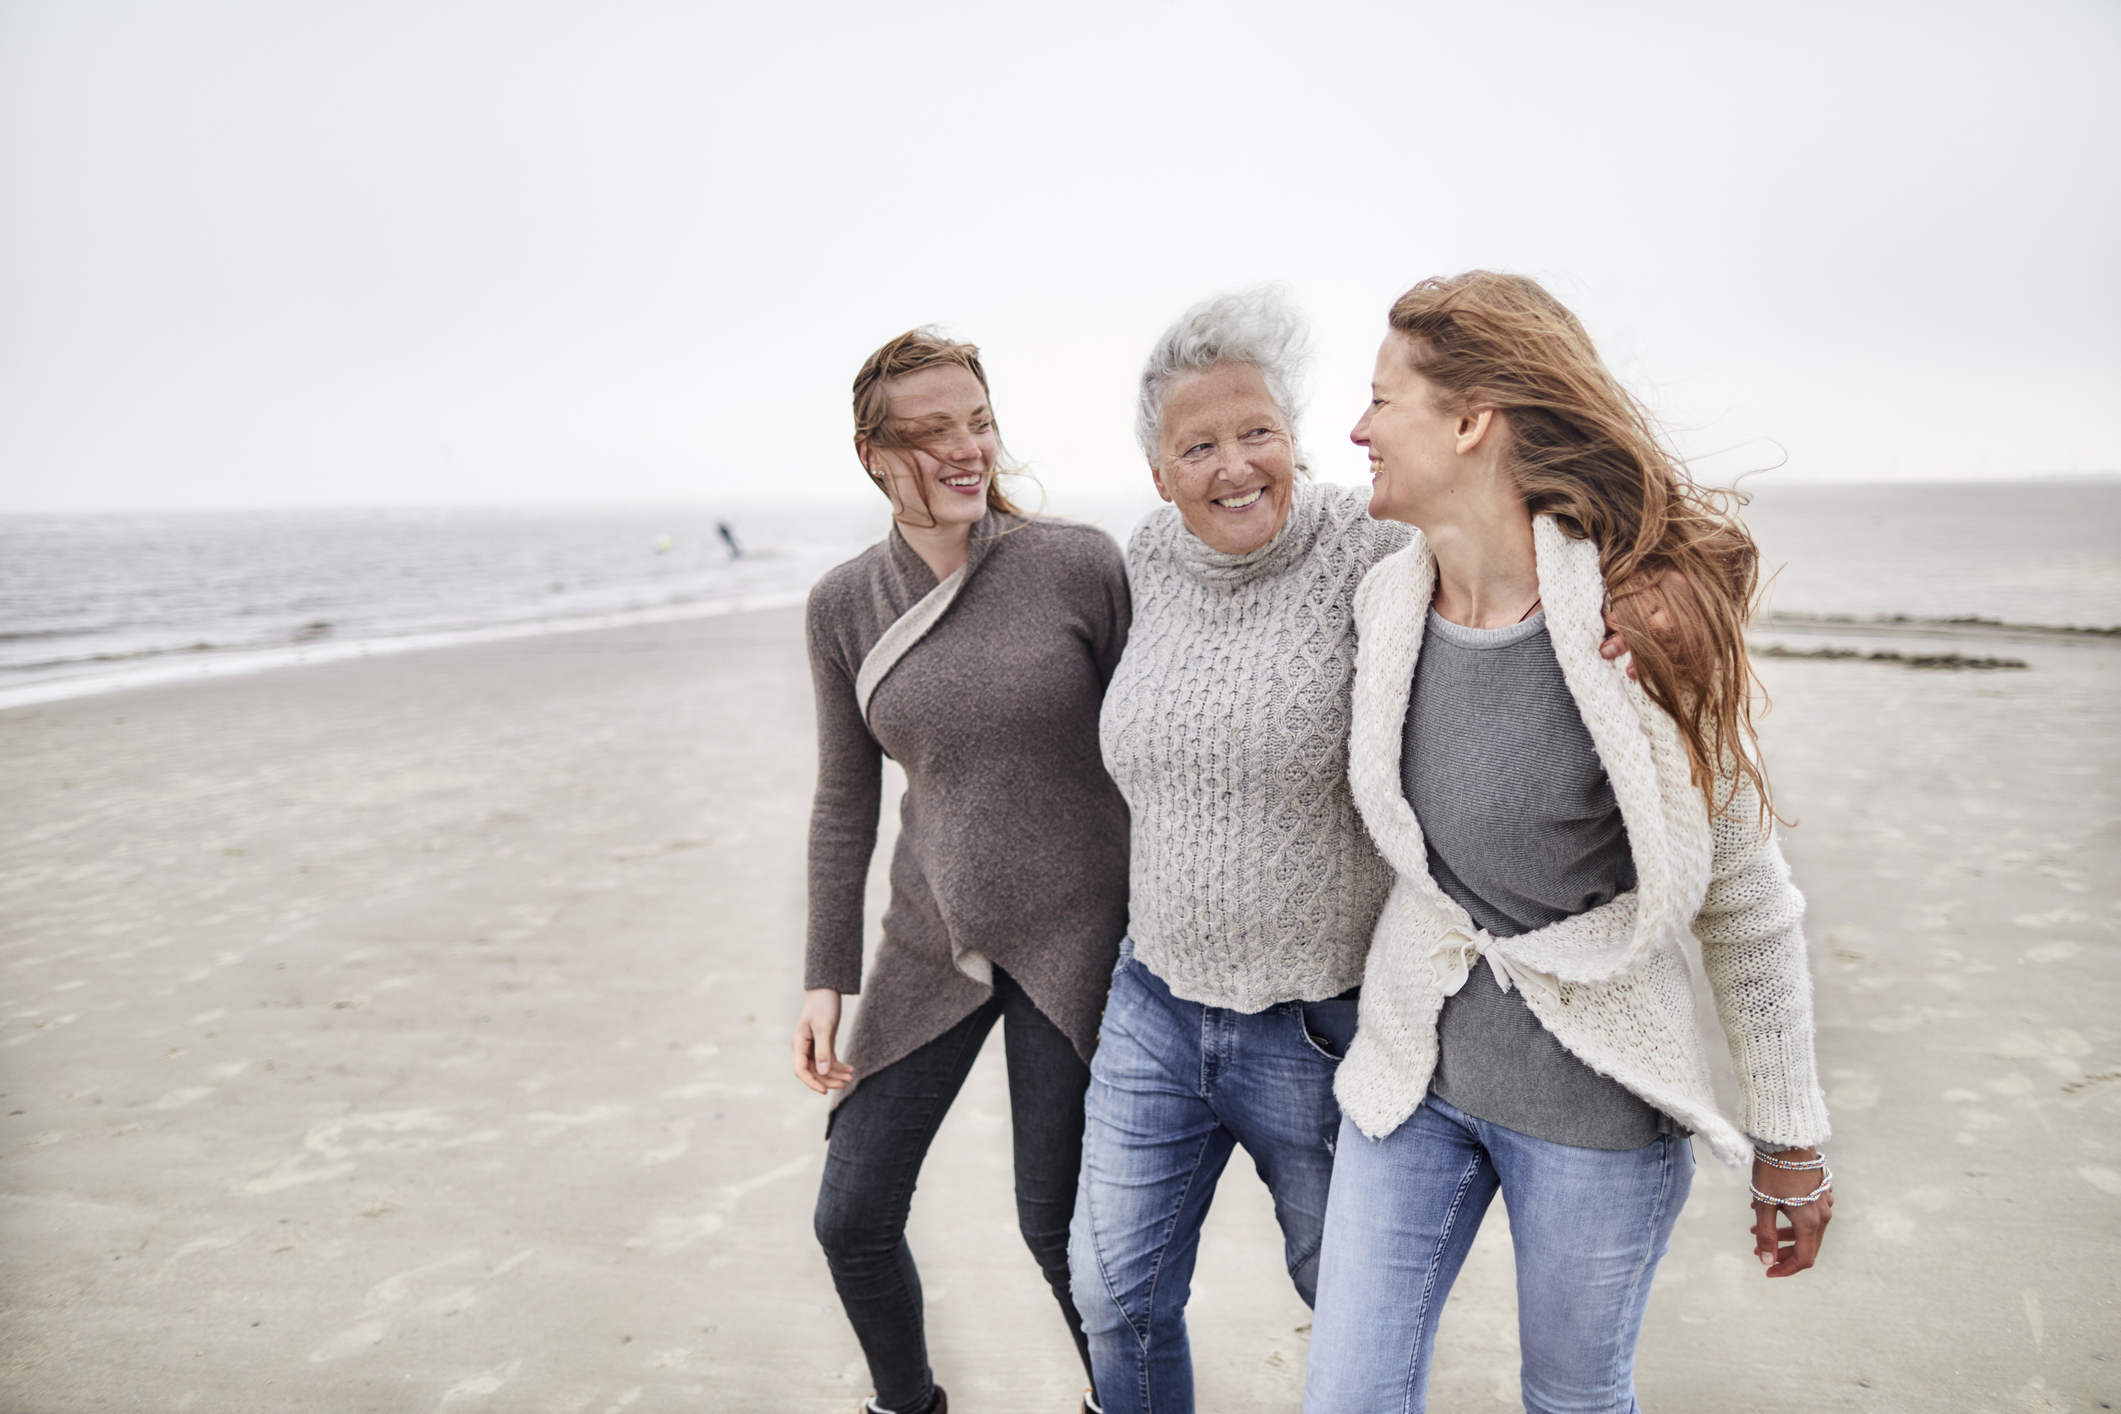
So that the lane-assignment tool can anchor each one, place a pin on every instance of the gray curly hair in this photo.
(1256, 326)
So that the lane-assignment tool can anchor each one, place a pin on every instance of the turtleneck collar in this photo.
(1295, 540)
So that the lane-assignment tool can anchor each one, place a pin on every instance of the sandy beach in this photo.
(410, 1034)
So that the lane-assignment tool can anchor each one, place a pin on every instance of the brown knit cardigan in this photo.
(1013, 840)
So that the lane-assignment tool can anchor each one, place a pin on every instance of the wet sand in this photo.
(410, 1034)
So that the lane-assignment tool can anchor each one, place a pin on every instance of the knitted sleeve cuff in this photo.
(1780, 1102)
(833, 967)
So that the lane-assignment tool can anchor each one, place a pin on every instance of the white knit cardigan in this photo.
(1613, 984)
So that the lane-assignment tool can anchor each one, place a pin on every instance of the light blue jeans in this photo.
(1589, 1227)
(1174, 1088)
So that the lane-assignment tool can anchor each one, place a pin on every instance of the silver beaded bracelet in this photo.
(1826, 1186)
(1776, 1161)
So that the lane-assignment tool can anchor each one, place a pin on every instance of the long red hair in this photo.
(1583, 450)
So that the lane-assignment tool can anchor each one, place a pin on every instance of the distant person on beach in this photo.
(1554, 832)
(973, 645)
(1254, 886)
(721, 528)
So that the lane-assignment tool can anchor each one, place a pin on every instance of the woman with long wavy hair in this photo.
(972, 645)
(1556, 828)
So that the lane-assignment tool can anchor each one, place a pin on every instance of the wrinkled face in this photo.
(1226, 459)
(948, 448)
(1413, 444)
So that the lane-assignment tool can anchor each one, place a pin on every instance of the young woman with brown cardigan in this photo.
(972, 645)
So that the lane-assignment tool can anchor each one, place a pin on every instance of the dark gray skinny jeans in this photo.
(879, 1138)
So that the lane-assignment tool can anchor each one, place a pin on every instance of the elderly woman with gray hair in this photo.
(1253, 886)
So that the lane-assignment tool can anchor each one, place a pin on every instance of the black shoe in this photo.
(940, 1405)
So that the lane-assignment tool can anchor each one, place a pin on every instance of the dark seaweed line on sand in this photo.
(1950, 662)
(1973, 621)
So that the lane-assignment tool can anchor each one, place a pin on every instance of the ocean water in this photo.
(93, 603)
(2026, 552)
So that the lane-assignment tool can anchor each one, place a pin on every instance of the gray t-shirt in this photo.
(1523, 830)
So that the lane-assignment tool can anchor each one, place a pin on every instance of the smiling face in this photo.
(1226, 459)
(942, 450)
(1422, 457)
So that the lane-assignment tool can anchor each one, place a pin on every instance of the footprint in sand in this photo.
(386, 1303)
(327, 1150)
(666, 1236)
(480, 1385)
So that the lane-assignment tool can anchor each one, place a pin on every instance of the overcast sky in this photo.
(363, 253)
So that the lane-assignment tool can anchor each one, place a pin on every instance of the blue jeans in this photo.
(1174, 1087)
(1589, 1227)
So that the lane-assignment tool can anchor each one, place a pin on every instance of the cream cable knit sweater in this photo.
(1612, 985)
(1251, 880)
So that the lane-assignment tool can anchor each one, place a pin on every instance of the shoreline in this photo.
(164, 669)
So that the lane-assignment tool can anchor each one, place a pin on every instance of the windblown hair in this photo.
(1258, 327)
(912, 352)
(1583, 450)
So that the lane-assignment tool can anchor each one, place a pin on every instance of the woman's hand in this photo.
(1654, 611)
(1615, 645)
(1786, 1251)
(815, 1031)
